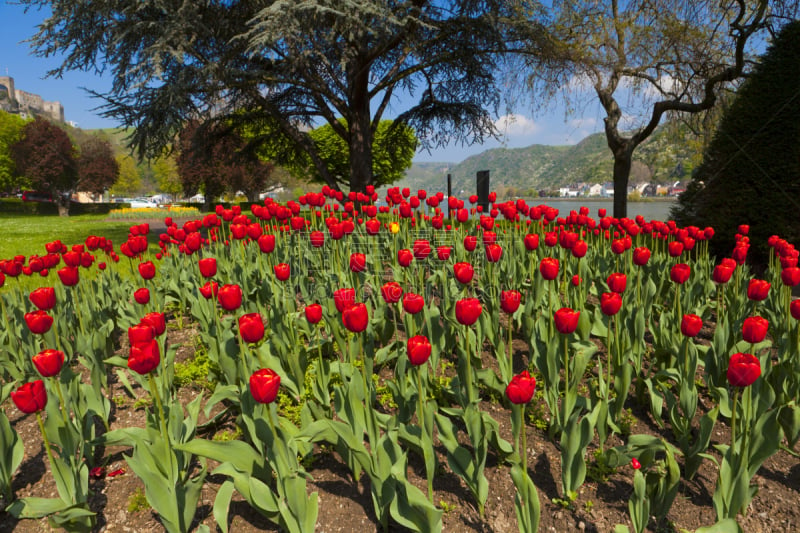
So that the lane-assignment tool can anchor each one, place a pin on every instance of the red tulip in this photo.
(691, 325)
(31, 397)
(69, 276)
(610, 303)
(470, 242)
(463, 272)
(422, 249)
(548, 267)
(358, 262)
(418, 349)
(521, 388)
(675, 248)
(579, 249)
(230, 297)
(443, 253)
(251, 327)
(790, 276)
(48, 362)
(264, 385)
(317, 239)
(344, 298)
(566, 320)
(576, 280)
(313, 313)
(468, 310)
(282, 271)
(743, 369)
(635, 464)
(141, 333)
(144, 357)
(147, 270)
(413, 303)
(39, 322)
(641, 256)
(794, 309)
(392, 292)
(722, 273)
(404, 257)
(142, 296)
(44, 298)
(758, 289)
(266, 243)
(617, 282)
(618, 246)
(680, 273)
(754, 329)
(209, 290)
(355, 318)
(493, 253)
(157, 321)
(208, 267)
(531, 242)
(509, 301)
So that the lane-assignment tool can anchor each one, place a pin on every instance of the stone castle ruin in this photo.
(27, 105)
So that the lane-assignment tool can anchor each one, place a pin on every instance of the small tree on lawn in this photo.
(46, 157)
(97, 166)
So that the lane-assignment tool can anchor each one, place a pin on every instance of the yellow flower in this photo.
(394, 227)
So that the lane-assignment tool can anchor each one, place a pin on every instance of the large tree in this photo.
(298, 64)
(10, 132)
(751, 171)
(644, 59)
(97, 167)
(46, 157)
(129, 181)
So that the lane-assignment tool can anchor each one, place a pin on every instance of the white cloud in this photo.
(516, 126)
(583, 123)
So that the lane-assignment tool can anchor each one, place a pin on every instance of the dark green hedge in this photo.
(18, 207)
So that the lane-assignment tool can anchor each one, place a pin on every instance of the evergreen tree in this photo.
(750, 173)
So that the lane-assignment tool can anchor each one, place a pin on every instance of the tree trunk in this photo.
(62, 201)
(622, 171)
(359, 125)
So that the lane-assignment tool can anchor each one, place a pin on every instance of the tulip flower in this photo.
(418, 349)
(317, 239)
(548, 267)
(141, 333)
(282, 271)
(355, 318)
(617, 282)
(208, 267)
(758, 289)
(675, 248)
(142, 296)
(470, 243)
(566, 320)
(641, 256)
(413, 303)
(404, 257)
(680, 273)
(463, 272)
(691, 325)
(264, 385)
(48, 362)
(422, 249)
(144, 357)
(44, 298)
(509, 301)
(794, 309)
(493, 253)
(209, 290)
(358, 262)
(147, 270)
(39, 322)
(69, 276)
(468, 310)
(531, 242)
(266, 243)
(30, 397)
(722, 274)
(521, 388)
(610, 303)
(230, 297)
(251, 327)
(743, 369)
(579, 249)
(443, 253)
(754, 329)
(344, 298)
(157, 321)
(392, 292)
(790, 276)
(313, 313)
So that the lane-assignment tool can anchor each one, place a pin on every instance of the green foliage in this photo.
(10, 132)
(195, 372)
(137, 501)
(751, 171)
(129, 181)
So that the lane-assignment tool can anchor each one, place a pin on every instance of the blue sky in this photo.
(523, 128)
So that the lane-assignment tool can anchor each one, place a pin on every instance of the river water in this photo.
(650, 210)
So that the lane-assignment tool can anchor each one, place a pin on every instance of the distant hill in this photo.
(661, 159)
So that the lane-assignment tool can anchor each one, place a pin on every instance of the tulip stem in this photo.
(468, 376)
(523, 450)
(61, 400)
(47, 445)
(423, 426)
(733, 419)
(162, 418)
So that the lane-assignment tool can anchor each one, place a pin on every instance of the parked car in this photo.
(37, 196)
(143, 203)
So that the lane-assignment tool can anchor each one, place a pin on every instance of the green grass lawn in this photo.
(27, 235)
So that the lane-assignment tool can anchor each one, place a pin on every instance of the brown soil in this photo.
(345, 504)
